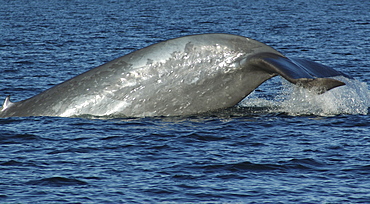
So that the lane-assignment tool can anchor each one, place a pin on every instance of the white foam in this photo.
(352, 98)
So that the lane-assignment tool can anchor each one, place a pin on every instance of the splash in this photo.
(353, 98)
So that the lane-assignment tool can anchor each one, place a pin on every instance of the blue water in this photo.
(253, 153)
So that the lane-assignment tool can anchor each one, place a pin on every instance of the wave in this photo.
(57, 182)
(10, 138)
(308, 164)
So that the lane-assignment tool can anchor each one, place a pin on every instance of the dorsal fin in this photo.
(7, 103)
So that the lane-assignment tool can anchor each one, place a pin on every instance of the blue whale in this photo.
(182, 76)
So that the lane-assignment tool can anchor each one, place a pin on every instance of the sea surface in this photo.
(282, 144)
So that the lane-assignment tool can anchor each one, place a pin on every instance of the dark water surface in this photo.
(255, 153)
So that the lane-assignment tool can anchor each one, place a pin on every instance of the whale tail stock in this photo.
(302, 72)
(146, 82)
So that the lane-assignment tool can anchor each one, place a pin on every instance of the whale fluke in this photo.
(305, 73)
(182, 76)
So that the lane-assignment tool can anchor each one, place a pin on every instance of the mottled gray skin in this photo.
(182, 76)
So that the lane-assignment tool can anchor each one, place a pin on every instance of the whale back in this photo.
(182, 76)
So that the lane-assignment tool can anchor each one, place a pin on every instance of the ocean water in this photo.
(282, 144)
